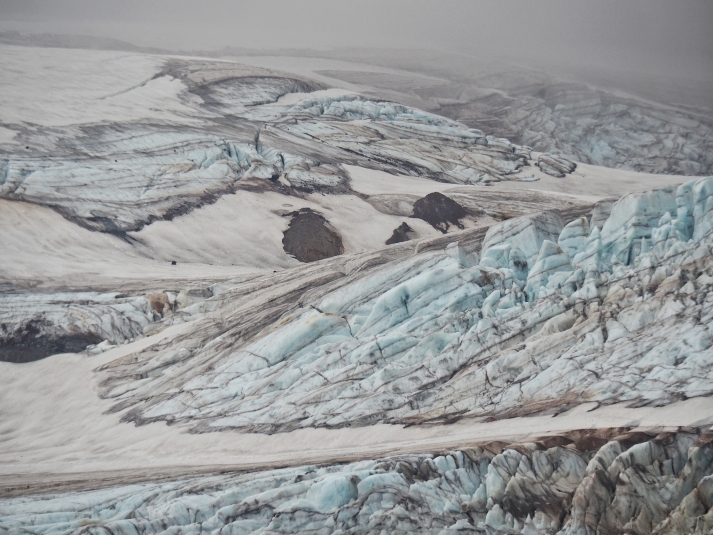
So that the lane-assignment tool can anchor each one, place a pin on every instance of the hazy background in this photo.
(670, 38)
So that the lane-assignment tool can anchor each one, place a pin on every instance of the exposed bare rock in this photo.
(439, 211)
(401, 234)
(481, 202)
(27, 342)
(35, 325)
(310, 237)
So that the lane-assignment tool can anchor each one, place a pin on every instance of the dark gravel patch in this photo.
(27, 343)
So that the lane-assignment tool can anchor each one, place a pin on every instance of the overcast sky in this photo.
(664, 37)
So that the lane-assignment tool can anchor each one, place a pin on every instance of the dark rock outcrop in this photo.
(439, 211)
(29, 342)
(401, 233)
(310, 237)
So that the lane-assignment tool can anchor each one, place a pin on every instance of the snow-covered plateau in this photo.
(234, 300)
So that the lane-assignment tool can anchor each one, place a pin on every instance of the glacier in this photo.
(580, 482)
(647, 126)
(234, 125)
(543, 316)
(483, 324)
(499, 340)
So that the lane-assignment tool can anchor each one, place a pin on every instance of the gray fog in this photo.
(644, 37)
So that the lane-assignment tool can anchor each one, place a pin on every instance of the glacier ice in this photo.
(536, 315)
(590, 481)
(162, 174)
(34, 325)
(240, 135)
(564, 117)
(525, 234)
(530, 326)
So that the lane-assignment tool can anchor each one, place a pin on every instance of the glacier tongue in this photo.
(533, 316)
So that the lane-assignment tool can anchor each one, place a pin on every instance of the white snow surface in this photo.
(39, 245)
(59, 87)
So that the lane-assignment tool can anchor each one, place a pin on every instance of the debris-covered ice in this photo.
(36, 325)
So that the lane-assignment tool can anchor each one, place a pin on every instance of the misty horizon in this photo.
(643, 37)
